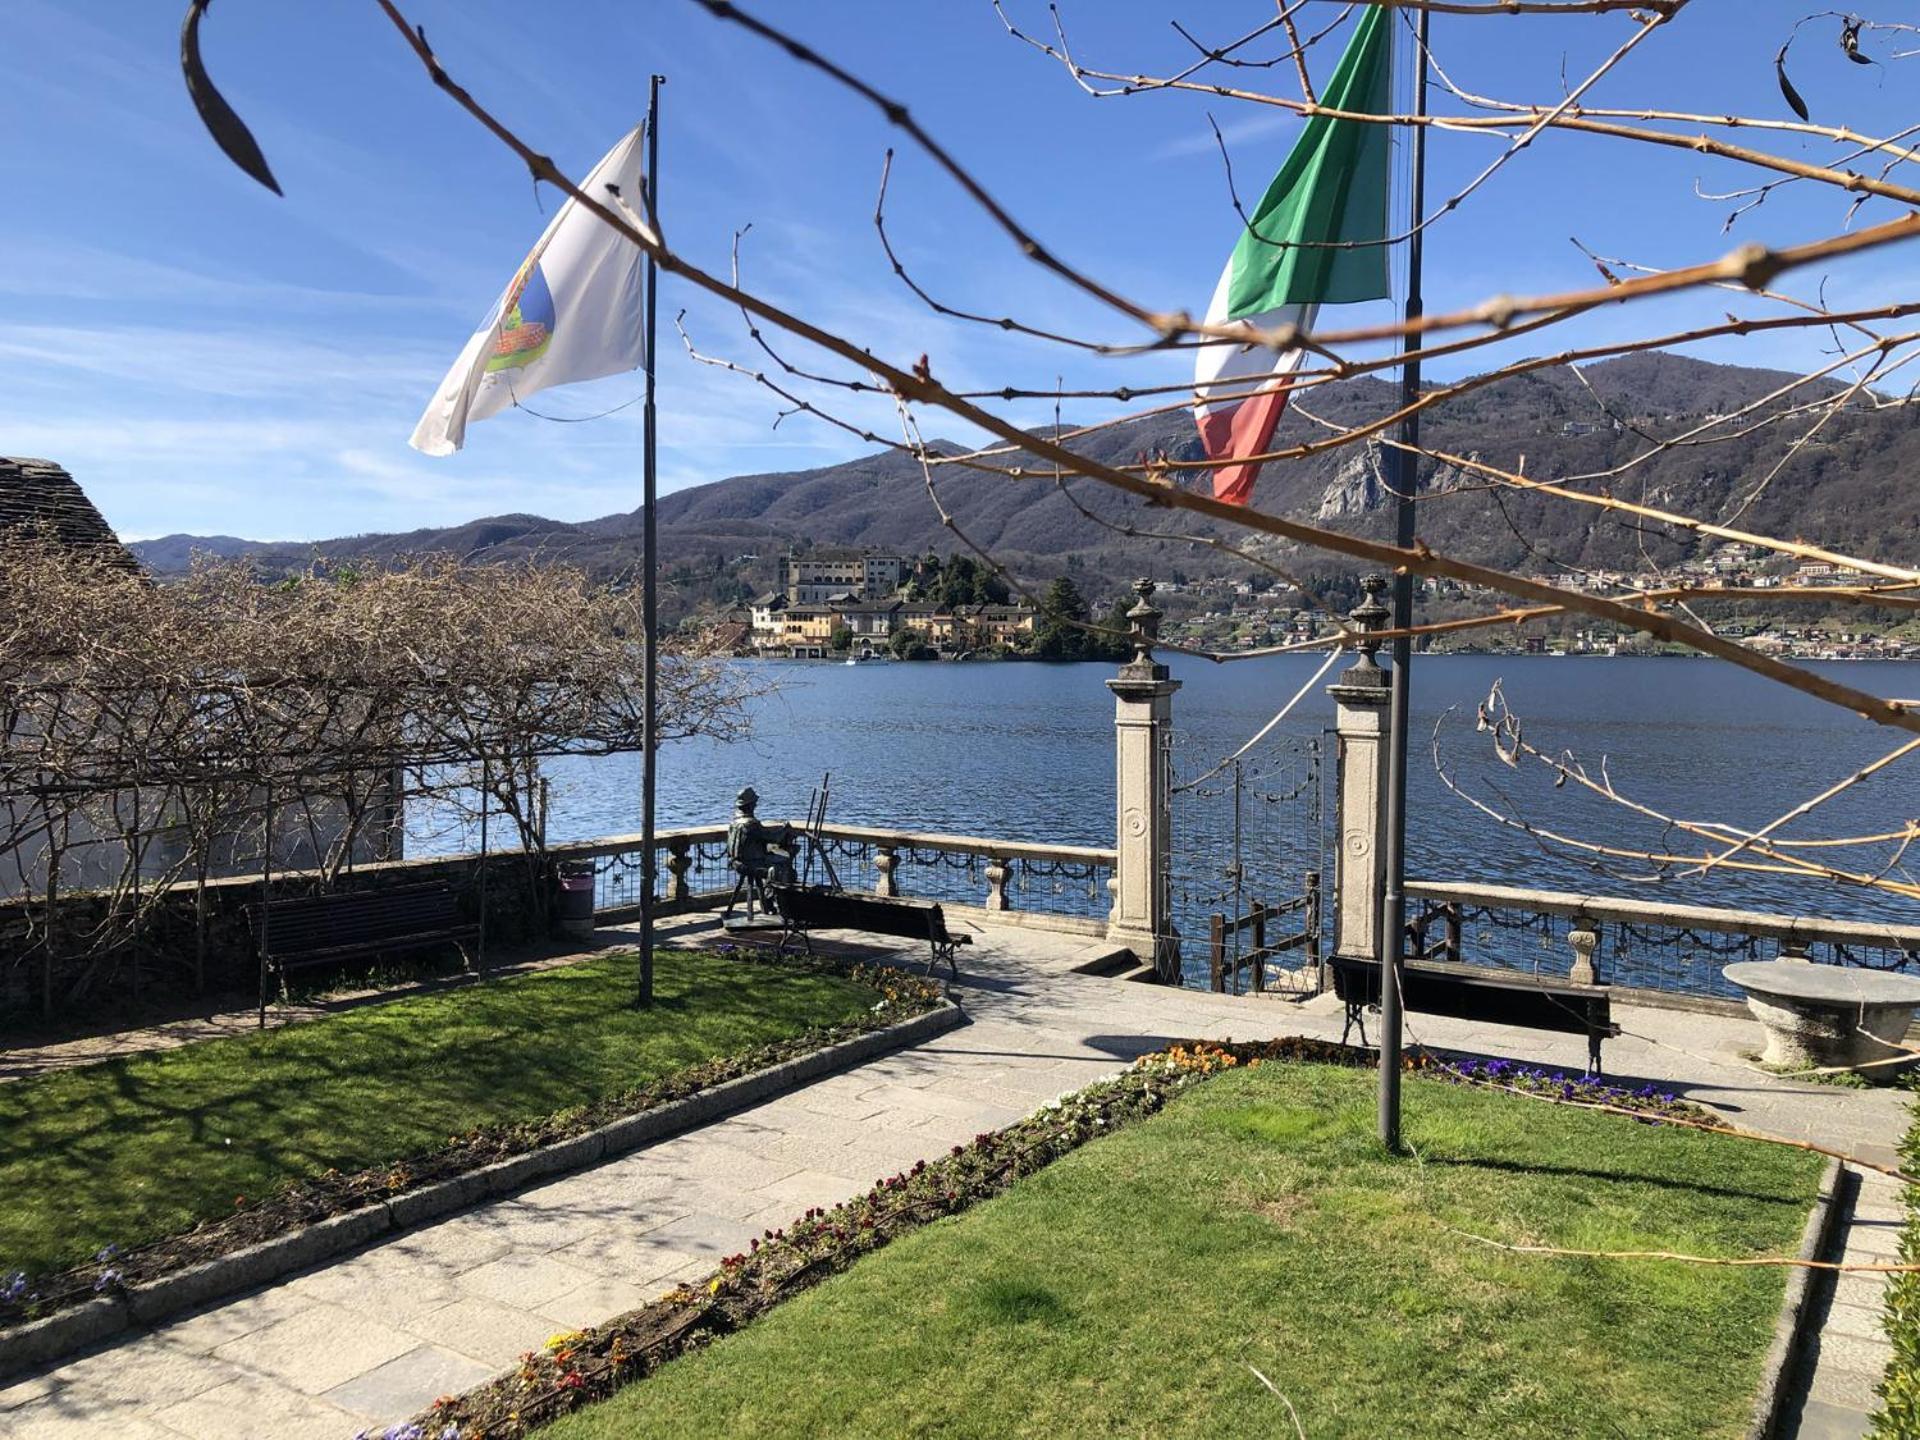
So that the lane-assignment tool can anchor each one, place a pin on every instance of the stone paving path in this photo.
(1851, 1352)
(368, 1339)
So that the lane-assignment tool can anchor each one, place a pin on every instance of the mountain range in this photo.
(1851, 485)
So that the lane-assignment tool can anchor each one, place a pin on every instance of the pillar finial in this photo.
(1370, 615)
(1144, 618)
(1143, 629)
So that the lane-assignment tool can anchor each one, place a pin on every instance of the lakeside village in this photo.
(863, 604)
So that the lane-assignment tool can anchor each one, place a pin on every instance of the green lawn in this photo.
(131, 1150)
(1126, 1289)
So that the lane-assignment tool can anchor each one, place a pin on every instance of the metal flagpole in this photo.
(1393, 921)
(649, 593)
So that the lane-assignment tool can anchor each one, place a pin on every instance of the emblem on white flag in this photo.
(571, 312)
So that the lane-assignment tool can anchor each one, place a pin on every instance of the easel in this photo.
(813, 834)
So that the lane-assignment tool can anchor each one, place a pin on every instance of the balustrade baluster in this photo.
(997, 872)
(1584, 936)
(678, 862)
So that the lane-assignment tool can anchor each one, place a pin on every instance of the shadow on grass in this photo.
(1014, 1302)
(142, 1146)
(1615, 1175)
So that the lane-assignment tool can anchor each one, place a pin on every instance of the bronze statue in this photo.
(759, 851)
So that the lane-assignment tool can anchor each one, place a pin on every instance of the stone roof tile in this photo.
(39, 495)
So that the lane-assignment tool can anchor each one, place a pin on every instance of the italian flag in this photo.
(1304, 246)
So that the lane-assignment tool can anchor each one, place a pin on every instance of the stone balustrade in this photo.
(1648, 950)
(1064, 886)
(694, 871)
(1021, 882)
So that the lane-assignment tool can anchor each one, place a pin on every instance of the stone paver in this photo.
(1845, 1389)
(207, 1331)
(524, 1278)
(316, 1349)
(594, 1302)
(491, 1332)
(395, 1387)
(253, 1407)
(1857, 1321)
(370, 1338)
(1822, 1421)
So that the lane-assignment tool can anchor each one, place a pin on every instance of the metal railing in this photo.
(1640, 944)
(691, 863)
(1062, 885)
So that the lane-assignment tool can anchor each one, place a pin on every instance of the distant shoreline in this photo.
(840, 661)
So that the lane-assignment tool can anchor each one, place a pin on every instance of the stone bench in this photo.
(1826, 1015)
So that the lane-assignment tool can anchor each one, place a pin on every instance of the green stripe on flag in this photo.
(1333, 187)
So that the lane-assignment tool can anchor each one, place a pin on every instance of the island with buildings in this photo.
(867, 604)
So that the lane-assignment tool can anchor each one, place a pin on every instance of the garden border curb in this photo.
(55, 1337)
(1796, 1312)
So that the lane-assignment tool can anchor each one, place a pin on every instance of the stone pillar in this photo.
(1142, 917)
(1360, 726)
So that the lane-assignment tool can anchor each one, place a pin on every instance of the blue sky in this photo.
(207, 358)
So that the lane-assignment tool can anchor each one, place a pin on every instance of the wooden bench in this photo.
(308, 930)
(803, 908)
(1471, 992)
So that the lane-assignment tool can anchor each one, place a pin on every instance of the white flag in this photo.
(572, 312)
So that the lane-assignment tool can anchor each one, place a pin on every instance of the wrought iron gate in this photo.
(1248, 850)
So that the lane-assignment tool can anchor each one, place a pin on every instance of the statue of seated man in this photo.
(756, 849)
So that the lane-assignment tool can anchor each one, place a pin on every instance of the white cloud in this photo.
(42, 271)
(1270, 120)
(230, 363)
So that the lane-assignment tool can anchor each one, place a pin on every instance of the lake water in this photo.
(1025, 751)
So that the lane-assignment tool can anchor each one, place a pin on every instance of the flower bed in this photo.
(1548, 1084)
(580, 1367)
(303, 1202)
